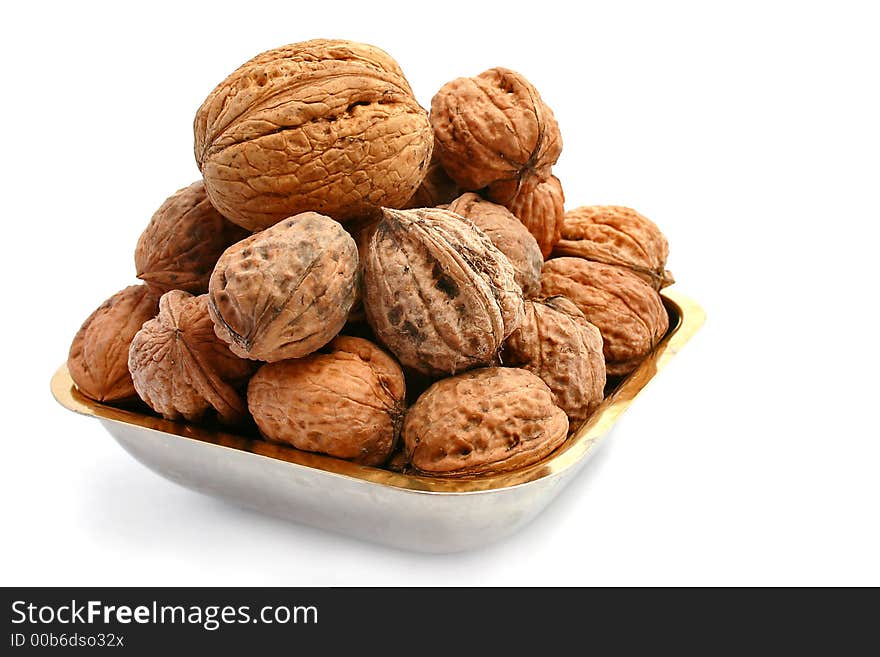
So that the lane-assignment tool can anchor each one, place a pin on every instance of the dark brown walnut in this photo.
(286, 291)
(181, 369)
(437, 292)
(436, 189)
(98, 357)
(627, 311)
(508, 234)
(325, 125)
(539, 204)
(182, 242)
(493, 128)
(619, 236)
(348, 403)
(489, 420)
(558, 344)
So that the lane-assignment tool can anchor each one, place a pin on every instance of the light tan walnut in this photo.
(484, 421)
(558, 344)
(627, 311)
(619, 236)
(507, 233)
(348, 403)
(286, 291)
(181, 369)
(326, 125)
(494, 134)
(437, 292)
(98, 358)
(493, 128)
(181, 244)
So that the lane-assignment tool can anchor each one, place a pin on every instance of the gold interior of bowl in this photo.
(685, 318)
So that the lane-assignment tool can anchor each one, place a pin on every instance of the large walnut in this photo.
(488, 420)
(437, 292)
(286, 291)
(181, 244)
(558, 344)
(328, 126)
(493, 131)
(616, 235)
(181, 369)
(507, 233)
(348, 403)
(98, 358)
(627, 311)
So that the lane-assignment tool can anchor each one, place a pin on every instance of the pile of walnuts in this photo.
(357, 277)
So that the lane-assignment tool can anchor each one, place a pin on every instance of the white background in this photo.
(749, 134)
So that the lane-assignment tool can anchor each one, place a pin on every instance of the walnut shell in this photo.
(181, 369)
(538, 203)
(507, 233)
(557, 343)
(348, 403)
(181, 244)
(627, 311)
(325, 125)
(493, 127)
(488, 420)
(286, 291)
(436, 189)
(619, 236)
(437, 292)
(98, 357)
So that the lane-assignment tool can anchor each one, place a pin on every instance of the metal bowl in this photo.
(406, 511)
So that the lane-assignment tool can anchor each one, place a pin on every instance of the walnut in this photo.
(348, 403)
(627, 311)
(437, 293)
(619, 236)
(286, 291)
(493, 128)
(182, 242)
(181, 369)
(484, 421)
(327, 126)
(555, 342)
(494, 133)
(436, 189)
(507, 233)
(98, 358)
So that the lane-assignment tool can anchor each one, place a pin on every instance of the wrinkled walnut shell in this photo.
(179, 366)
(507, 233)
(493, 127)
(627, 311)
(557, 343)
(98, 357)
(181, 244)
(437, 292)
(348, 403)
(488, 420)
(286, 291)
(619, 236)
(325, 125)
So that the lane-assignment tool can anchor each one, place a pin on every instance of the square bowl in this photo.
(406, 511)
